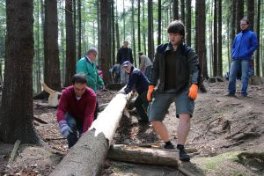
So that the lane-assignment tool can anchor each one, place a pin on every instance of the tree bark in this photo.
(175, 9)
(17, 105)
(152, 156)
(70, 43)
(90, 151)
(150, 30)
(105, 39)
(51, 49)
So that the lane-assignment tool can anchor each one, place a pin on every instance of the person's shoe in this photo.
(169, 145)
(230, 95)
(182, 153)
(184, 156)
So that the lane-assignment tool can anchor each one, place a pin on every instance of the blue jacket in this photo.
(137, 80)
(244, 44)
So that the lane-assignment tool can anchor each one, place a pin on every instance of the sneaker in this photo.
(169, 146)
(184, 156)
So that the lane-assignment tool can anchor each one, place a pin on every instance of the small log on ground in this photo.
(86, 157)
(142, 155)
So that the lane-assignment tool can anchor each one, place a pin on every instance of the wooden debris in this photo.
(143, 155)
(53, 99)
(14, 151)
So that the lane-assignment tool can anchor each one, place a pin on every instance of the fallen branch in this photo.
(143, 155)
(54, 139)
(14, 151)
(40, 120)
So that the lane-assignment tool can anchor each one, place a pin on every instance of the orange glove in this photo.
(193, 91)
(150, 91)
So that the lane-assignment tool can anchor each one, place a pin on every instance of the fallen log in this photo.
(86, 157)
(143, 155)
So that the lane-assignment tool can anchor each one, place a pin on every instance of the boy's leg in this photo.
(157, 111)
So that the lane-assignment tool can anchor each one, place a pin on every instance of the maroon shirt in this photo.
(82, 109)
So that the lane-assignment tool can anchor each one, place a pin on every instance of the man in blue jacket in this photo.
(244, 45)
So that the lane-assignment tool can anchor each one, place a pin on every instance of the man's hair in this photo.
(176, 27)
(79, 78)
(140, 53)
(92, 50)
(245, 19)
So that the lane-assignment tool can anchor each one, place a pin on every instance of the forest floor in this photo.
(226, 138)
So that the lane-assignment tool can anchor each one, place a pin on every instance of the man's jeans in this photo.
(236, 66)
(76, 128)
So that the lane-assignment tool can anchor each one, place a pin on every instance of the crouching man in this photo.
(137, 82)
(76, 108)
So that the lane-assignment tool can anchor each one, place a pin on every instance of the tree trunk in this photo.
(106, 43)
(150, 30)
(183, 11)
(219, 39)
(17, 93)
(233, 21)
(90, 151)
(239, 13)
(175, 9)
(200, 36)
(70, 43)
(258, 66)
(215, 63)
(138, 15)
(144, 29)
(152, 156)
(188, 22)
(80, 29)
(159, 22)
(133, 33)
(51, 49)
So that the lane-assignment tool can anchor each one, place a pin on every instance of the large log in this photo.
(142, 155)
(86, 157)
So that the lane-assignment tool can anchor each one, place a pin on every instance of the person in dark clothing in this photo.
(124, 54)
(138, 82)
(176, 68)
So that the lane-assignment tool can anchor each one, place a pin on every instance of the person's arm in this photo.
(253, 43)
(89, 111)
(100, 82)
(131, 82)
(155, 70)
